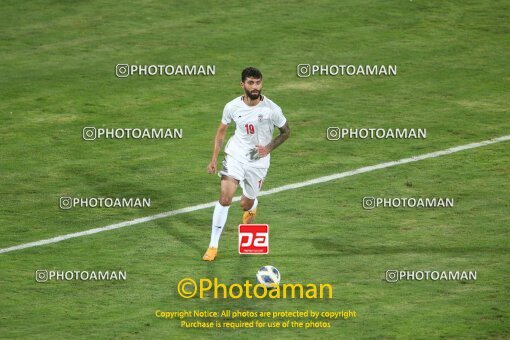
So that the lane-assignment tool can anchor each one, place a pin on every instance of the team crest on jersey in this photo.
(261, 117)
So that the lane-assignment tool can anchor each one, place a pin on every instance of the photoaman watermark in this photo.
(189, 288)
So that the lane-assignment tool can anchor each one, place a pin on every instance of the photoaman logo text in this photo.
(189, 288)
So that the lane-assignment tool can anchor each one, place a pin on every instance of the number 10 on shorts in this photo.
(253, 239)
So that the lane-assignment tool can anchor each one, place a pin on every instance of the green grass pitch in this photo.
(57, 61)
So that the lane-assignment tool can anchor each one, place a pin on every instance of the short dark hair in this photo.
(251, 72)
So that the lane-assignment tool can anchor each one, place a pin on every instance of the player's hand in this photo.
(212, 169)
(262, 150)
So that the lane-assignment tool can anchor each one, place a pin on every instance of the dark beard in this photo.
(253, 96)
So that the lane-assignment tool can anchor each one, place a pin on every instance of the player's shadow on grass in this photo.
(186, 229)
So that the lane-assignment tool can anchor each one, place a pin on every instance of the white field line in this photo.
(262, 193)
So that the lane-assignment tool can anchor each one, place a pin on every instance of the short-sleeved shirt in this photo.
(254, 125)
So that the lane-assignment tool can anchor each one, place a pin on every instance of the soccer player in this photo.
(247, 151)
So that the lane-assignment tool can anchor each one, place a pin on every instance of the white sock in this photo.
(254, 206)
(218, 222)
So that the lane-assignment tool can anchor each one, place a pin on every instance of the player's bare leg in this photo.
(250, 209)
(228, 188)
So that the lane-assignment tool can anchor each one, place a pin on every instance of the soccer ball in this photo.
(267, 276)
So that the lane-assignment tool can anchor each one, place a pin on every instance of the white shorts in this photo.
(250, 178)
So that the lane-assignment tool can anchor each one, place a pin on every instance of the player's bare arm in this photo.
(218, 144)
(277, 141)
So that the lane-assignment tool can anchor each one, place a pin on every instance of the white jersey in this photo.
(254, 125)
